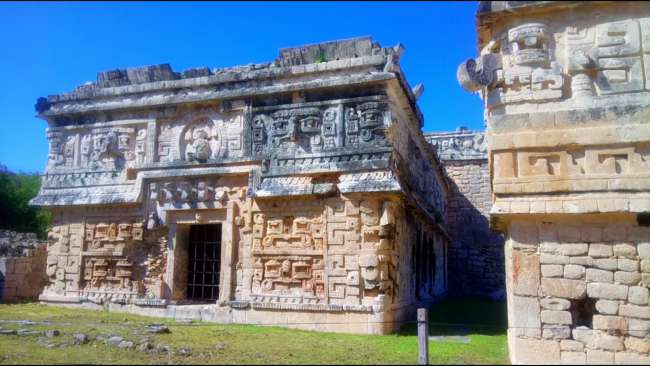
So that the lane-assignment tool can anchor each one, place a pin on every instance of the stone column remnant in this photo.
(566, 91)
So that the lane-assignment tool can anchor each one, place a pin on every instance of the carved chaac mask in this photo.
(310, 122)
(529, 44)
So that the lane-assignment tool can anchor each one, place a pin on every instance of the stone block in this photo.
(607, 291)
(555, 304)
(645, 279)
(523, 232)
(599, 275)
(556, 332)
(606, 322)
(630, 358)
(524, 316)
(644, 250)
(624, 250)
(634, 311)
(582, 261)
(552, 270)
(600, 250)
(639, 234)
(635, 344)
(645, 265)
(629, 265)
(573, 271)
(614, 232)
(556, 317)
(551, 248)
(573, 358)
(583, 335)
(591, 234)
(610, 264)
(638, 328)
(627, 278)
(571, 345)
(607, 307)
(568, 233)
(563, 288)
(525, 273)
(598, 357)
(534, 351)
(638, 295)
(546, 258)
(574, 249)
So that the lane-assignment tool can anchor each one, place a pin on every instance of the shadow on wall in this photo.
(476, 254)
(459, 317)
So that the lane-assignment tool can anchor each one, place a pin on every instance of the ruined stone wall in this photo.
(22, 266)
(475, 251)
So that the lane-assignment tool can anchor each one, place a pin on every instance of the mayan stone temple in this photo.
(300, 192)
(566, 91)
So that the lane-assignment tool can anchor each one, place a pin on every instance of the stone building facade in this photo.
(298, 192)
(475, 261)
(566, 91)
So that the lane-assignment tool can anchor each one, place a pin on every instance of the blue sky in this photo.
(50, 48)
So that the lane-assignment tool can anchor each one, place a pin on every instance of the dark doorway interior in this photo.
(204, 262)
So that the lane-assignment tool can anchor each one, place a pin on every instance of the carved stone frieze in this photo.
(201, 136)
(460, 145)
(589, 168)
(96, 148)
(321, 135)
(542, 62)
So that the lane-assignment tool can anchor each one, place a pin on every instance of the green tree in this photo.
(15, 212)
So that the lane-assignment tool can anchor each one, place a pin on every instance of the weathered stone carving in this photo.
(459, 145)
(201, 136)
(570, 176)
(301, 276)
(310, 129)
(474, 75)
(290, 163)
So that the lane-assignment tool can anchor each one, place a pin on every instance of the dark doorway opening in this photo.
(204, 262)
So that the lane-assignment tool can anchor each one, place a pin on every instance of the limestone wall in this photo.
(578, 290)
(22, 266)
(476, 262)
(566, 94)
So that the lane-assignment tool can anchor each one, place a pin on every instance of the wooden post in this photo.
(423, 337)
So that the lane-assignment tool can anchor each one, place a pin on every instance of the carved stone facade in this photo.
(326, 204)
(567, 94)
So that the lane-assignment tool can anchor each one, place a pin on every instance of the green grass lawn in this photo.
(248, 344)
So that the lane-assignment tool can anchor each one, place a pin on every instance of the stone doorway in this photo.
(204, 262)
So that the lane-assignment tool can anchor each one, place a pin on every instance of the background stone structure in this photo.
(22, 266)
(331, 203)
(567, 97)
(476, 262)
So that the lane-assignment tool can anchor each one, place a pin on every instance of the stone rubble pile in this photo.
(15, 244)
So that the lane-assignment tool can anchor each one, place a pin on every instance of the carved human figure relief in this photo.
(198, 146)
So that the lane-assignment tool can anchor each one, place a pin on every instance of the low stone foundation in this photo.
(361, 321)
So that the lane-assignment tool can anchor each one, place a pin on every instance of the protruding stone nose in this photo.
(472, 76)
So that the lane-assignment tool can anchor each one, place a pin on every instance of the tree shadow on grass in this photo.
(459, 317)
